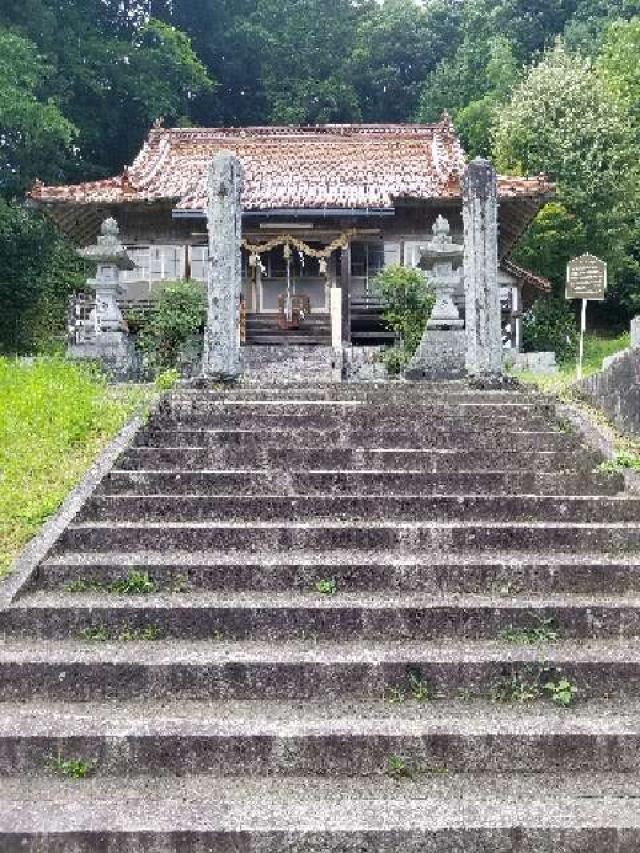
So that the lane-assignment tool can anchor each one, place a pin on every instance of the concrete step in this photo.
(389, 393)
(328, 739)
(312, 337)
(435, 813)
(405, 411)
(621, 538)
(352, 459)
(292, 615)
(353, 571)
(305, 482)
(385, 404)
(257, 439)
(359, 420)
(369, 508)
(397, 672)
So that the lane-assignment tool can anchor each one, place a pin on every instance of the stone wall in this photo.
(116, 353)
(362, 364)
(616, 391)
(275, 365)
(441, 355)
(535, 362)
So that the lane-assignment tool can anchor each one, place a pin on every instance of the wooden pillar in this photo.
(345, 284)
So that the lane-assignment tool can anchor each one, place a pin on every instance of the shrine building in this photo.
(323, 207)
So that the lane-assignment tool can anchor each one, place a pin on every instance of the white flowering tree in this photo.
(564, 120)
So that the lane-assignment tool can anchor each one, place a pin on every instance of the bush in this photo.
(409, 301)
(550, 325)
(180, 313)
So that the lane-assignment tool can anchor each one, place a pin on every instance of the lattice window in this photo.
(199, 259)
(156, 263)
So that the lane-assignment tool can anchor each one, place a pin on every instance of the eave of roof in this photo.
(526, 276)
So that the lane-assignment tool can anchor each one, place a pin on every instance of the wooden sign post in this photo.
(586, 279)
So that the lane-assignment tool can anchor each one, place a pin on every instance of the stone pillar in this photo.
(224, 216)
(635, 332)
(482, 292)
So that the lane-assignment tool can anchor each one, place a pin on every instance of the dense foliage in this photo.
(409, 301)
(38, 272)
(541, 85)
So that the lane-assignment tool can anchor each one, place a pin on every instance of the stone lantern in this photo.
(443, 258)
(441, 353)
(111, 257)
(104, 337)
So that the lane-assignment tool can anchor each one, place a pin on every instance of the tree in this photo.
(112, 70)
(396, 45)
(36, 137)
(587, 28)
(304, 50)
(120, 85)
(477, 120)
(618, 63)
(563, 119)
(555, 236)
(232, 53)
(39, 271)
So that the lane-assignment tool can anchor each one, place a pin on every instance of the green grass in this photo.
(596, 349)
(55, 417)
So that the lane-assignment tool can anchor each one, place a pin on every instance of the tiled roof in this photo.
(327, 166)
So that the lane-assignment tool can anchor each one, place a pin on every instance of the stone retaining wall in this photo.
(616, 391)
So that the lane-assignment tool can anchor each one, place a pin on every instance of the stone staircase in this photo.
(327, 619)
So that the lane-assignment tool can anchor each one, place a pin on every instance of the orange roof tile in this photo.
(326, 166)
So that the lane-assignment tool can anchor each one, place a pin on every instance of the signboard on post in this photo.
(586, 279)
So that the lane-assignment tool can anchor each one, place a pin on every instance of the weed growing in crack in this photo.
(151, 632)
(136, 583)
(562, 692)
(73, 768)
(419, 689)
(327, 586)
(621, 462)
(395, 695)
(515, 689)
(96, 634)
(101, 634)
(83, 585)
(544, 632)
(414, 686)
(180, 584)
(521, 687)
(398, 768)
